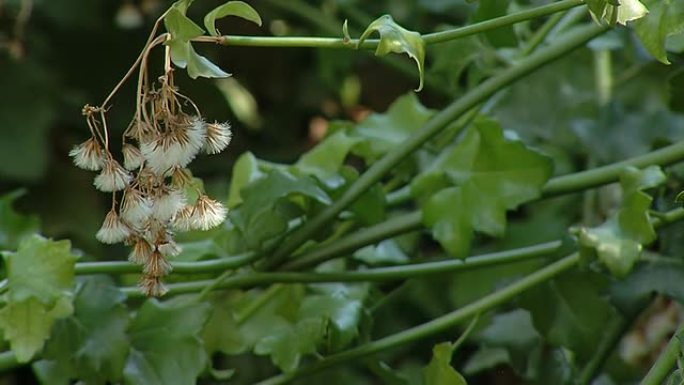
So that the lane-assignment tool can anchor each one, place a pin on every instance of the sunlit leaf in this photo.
(231, 8)
(619, 241)
(439, 371)
(666, 18)
(397, 39)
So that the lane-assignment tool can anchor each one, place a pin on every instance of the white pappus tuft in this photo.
(113, 230)
(88, 155)
(113, 177)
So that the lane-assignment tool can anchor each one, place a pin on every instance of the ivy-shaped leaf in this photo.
(40, 277)
(91, 345)
(13, 226)
(383, 132)
(165, 343)
(618, 242)
(286, 345)
(324, 160)
(613, 11)
(183, 55)
(231, 8)
(666, 18)
(245, 171)
(439, 371)
(266, 211)
(471, 186)
(395, 38)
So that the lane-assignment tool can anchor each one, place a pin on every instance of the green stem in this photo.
(197, 267)
(614, 331)
(667, 359)
(370, 275)
(435, 326)
(430, 129)
(540, 35)
(430, 38)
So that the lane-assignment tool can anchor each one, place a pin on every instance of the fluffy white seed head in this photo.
(218, 137)
(141, 251)
(168, 204)
(113, 230)
(133, 158)
(183, 221)
(113, 177)
(169, 249)
(88, 155)
(136, 208)
(176, 147)
(208, 213)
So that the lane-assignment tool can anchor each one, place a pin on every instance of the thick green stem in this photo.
(430, 38)
(667, 359)
(370, 275)
(198, 267)
(431, 128)
(435, 326)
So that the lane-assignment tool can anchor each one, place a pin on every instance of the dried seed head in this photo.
(133, 158)
(136, 208)
(113, 230)
(169, 248)
(168, 204)
(183, 221)
(208, 213)
(113, 177)
(88, 155)
(218, 137)
(152, 286)
(176, 147)
(156, 265)
(141, 252)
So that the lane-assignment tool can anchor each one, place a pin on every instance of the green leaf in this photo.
(271, 201)
(383, 132)
(41, 269)
(514, 333)
(183, 55)
(180, 26)
(617, 12)
(571, 311)
(490, 174)
(666, 18)
(439, 371)
(13, 226)
(231, 8)
(245, 171)
(199, 65)
(395, 38)
(165, 344)
(40, 276)
(324, 160)
(91, 345)
(490, 9)
(286, 345)
(618, 242)
(27, 324)
(385, 252)
(663, 276)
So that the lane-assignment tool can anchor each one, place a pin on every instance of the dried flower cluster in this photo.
(151, 190)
